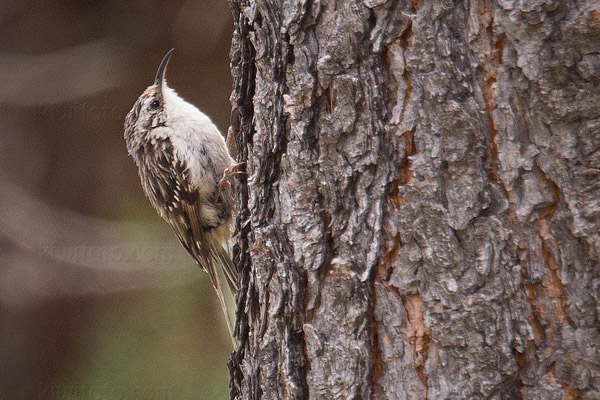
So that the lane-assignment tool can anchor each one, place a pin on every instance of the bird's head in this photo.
(159, 113)
(150, 110)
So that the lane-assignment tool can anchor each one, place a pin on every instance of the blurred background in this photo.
(97, 298)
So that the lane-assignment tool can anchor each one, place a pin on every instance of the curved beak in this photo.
(162, 69)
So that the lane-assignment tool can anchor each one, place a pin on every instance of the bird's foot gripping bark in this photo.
(234, 170)
(230, 172)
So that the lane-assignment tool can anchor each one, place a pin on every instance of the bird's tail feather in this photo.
(213, 257)
(224, 259)
(211, 268)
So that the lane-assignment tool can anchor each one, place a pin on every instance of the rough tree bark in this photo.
(420, 214)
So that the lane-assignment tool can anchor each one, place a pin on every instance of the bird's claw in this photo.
(234, 170)
(228, 173)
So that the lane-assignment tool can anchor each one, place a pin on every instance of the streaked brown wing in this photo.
(167, 184)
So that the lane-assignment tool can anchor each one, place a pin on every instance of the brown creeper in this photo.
(182, 160)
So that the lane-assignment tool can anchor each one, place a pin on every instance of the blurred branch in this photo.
(39, 228)
(105, 263)
(63, 75)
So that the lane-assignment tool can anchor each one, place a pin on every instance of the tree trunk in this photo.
(420, 214)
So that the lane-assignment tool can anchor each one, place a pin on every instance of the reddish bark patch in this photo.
(552, 284)
(571, 393)
(593, 18)
(406, 174)
(491, 68)
(419, 334)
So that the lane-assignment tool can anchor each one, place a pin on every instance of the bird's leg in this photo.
(234, 170)
(229, 172)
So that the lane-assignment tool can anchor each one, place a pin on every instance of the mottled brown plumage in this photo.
(182, 159)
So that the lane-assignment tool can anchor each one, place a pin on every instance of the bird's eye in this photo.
(154, 105)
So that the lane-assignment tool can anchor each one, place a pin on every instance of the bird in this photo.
(184, 166)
